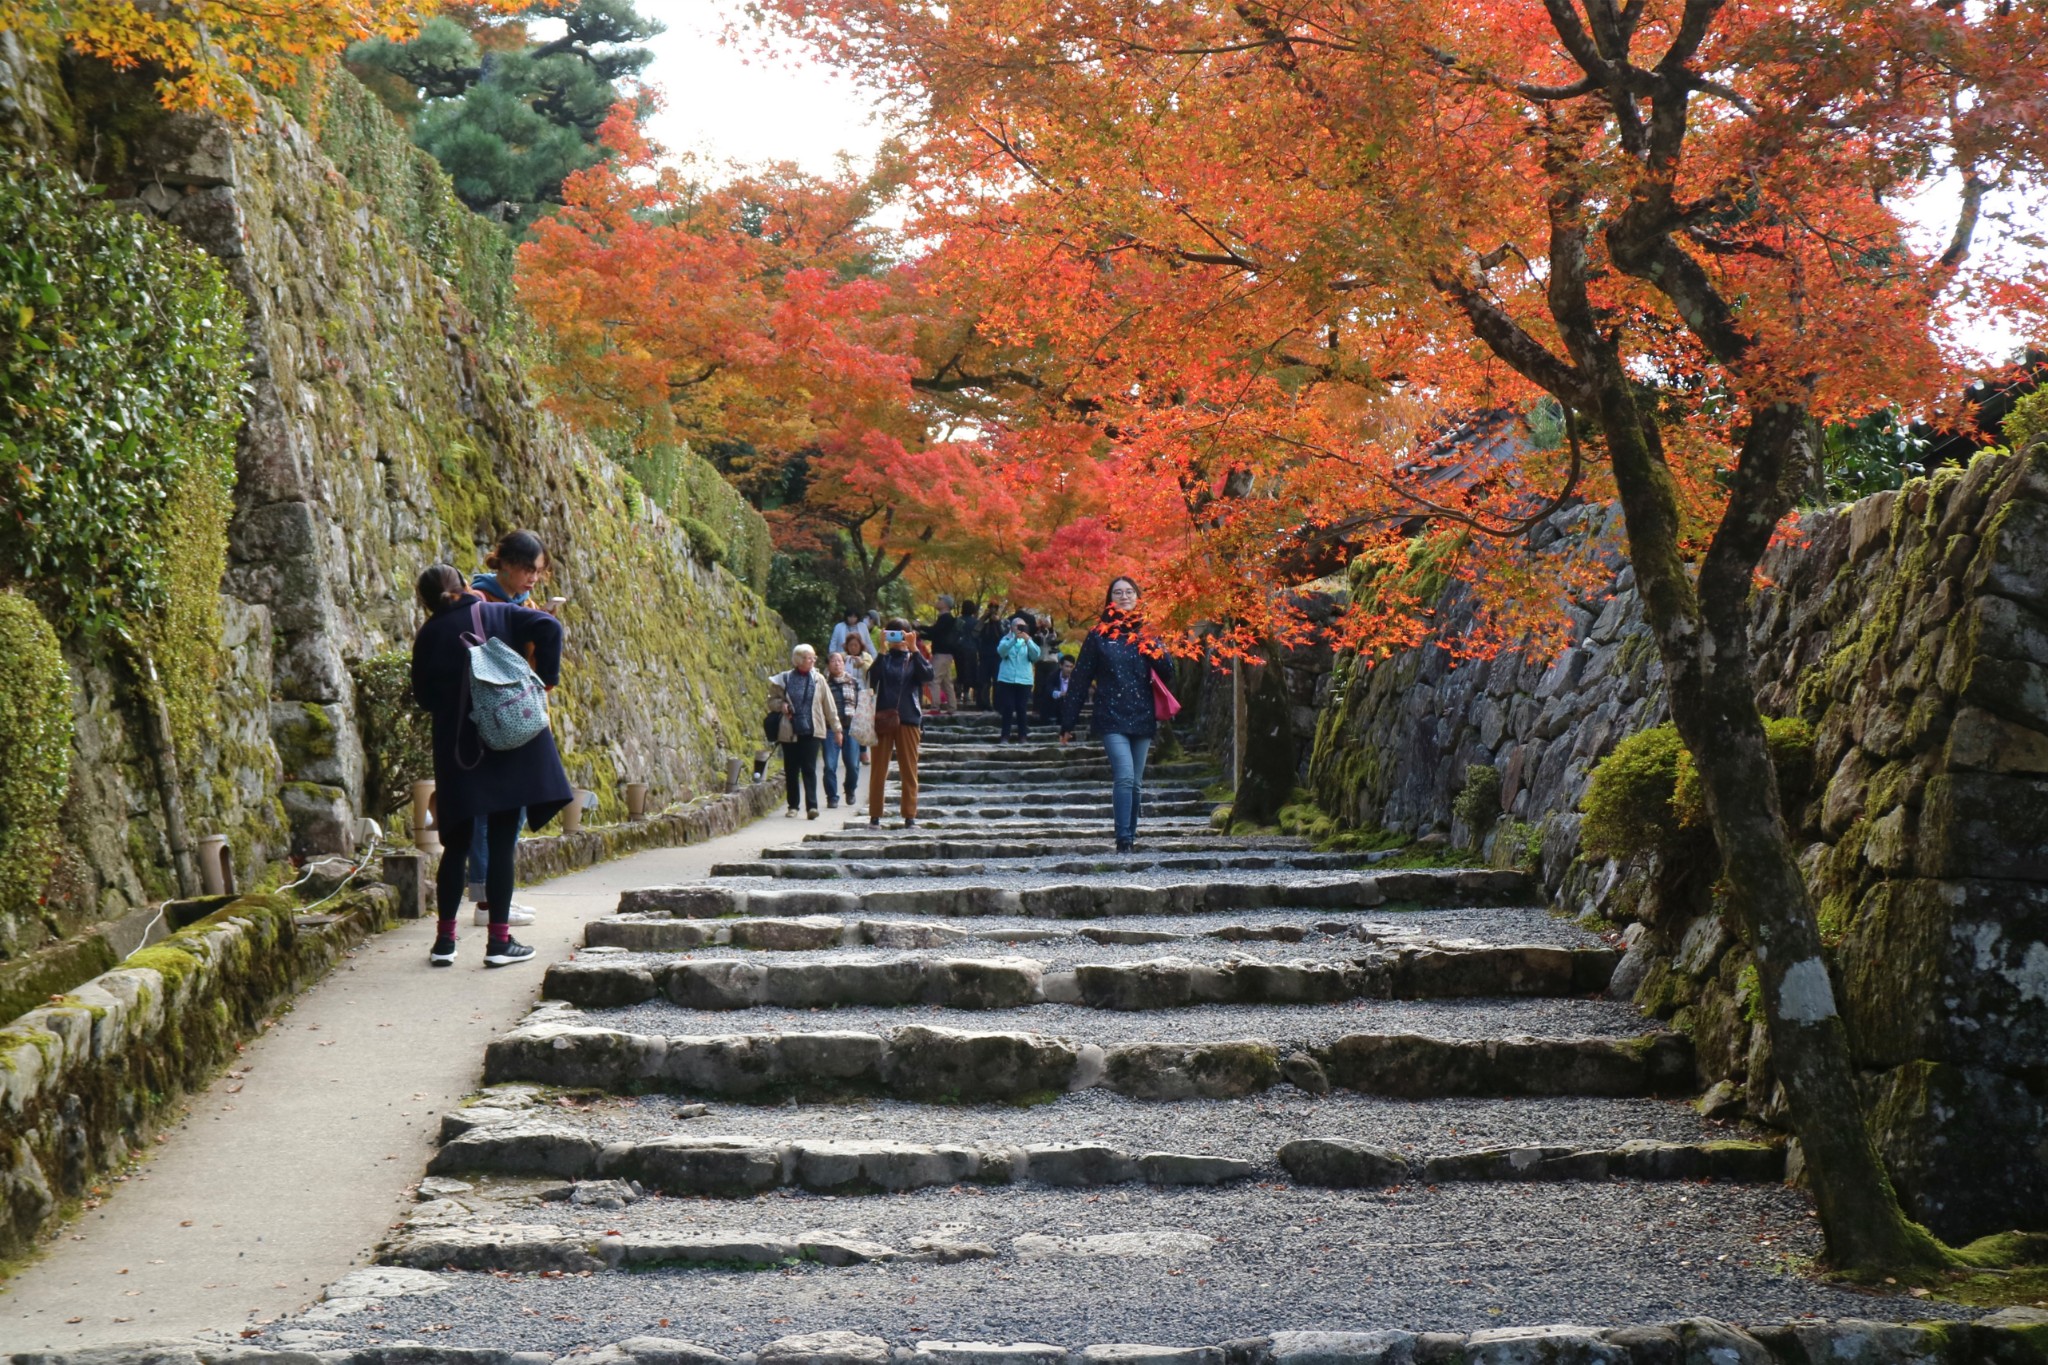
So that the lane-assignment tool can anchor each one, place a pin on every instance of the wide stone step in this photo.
(1008, 983)
(917, 1062)
(1002, 1278)
(662, 934)
(1060, 794)
(864, 842)
(994, 772)
(738, 1167)
(1092, 900)
(897, 868)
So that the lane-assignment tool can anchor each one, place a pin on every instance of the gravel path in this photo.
(1296, 1025)
(1457, 1257)
(1252, 1129)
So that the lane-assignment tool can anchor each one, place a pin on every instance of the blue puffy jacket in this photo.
(1018, 653)
(1121, 674)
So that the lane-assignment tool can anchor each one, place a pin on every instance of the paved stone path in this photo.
(291, 1167)
(983, 1081)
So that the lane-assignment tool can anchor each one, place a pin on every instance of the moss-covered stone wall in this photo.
(1910, 630)
(389, 424)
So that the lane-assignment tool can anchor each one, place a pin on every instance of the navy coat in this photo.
(529, 776)
(1122, 678)
(898, 677)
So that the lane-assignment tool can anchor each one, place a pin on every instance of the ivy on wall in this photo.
(35, 760)
(120, 372)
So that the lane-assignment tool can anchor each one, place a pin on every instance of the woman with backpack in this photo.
(809, 721)
(513, 571)
(1126, 668)
(453, 669)
(897, 679)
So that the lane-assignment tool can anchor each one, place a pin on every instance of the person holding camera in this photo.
(898, 678)
(1015, 655)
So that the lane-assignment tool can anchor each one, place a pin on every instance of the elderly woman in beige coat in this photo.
(808, 719)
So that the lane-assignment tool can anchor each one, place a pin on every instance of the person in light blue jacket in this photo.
(1016, 652)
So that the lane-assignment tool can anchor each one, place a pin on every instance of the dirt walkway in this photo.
(287, 1170)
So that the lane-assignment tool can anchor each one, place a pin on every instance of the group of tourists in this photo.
(874, 700)
(486, 657)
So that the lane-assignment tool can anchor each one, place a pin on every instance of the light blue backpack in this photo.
(507, 700)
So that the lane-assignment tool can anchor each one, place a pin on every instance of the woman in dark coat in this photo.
(470, 778)
(1119, 659)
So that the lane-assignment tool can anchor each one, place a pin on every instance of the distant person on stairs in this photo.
(844, 685)
(851, 625)
(810, 721)
(966, 655)
(513, 571)
(940, 638)
(474, 783)
(897, 678)
(1016, 655)
(1119, 660)
(989, 663)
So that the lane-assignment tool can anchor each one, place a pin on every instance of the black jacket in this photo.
(529, 776)
(898, 678)
(1121, 675)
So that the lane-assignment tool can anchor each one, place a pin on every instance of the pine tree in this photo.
(508, 117)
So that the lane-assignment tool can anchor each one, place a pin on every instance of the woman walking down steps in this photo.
(1124, 664)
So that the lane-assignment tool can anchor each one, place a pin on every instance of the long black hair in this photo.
(440, 587)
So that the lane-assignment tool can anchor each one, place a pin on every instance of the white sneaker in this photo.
(521, 914)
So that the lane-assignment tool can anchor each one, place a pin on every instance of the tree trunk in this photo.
(1702, 635)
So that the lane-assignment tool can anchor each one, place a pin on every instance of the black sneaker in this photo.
(909, 823)
(875, 822)
(442, 954)
(508, 953)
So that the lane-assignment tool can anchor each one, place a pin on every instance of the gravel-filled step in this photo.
(740, 1166)
(868, 843)
(1242, 1262)
(1093, 900)
(916, 1061)
(1009, 983)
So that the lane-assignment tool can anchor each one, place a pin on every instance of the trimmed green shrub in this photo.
(1478, 804)
(1645, 796)
(708, 544)
(1628, 800)
(35, 753)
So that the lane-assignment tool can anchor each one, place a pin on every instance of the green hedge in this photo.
(120, 371)
(398, 737)
(1645, 796)
(35, 756)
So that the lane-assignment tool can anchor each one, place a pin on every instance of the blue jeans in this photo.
(846, 751)
(1127, 780)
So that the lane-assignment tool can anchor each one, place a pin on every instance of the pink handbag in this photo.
(1165, 706)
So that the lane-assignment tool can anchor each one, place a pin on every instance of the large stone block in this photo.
(1180, 1071)
(686, 1166)
(1963, 1146)
(945, 1064)
(1984, 825)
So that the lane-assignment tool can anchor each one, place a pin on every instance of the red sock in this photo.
(500, 933)
(448, 927)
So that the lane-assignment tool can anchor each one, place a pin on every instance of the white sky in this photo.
(731, 103)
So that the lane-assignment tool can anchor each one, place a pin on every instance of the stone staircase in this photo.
(910, 1094)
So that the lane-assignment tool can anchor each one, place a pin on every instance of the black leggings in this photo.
(501, 837)
(800, 764)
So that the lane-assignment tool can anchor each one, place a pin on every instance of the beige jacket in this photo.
(824, 715)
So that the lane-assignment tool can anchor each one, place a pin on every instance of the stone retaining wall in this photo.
(1911, 630)
(84, 1080)
(390, 424)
